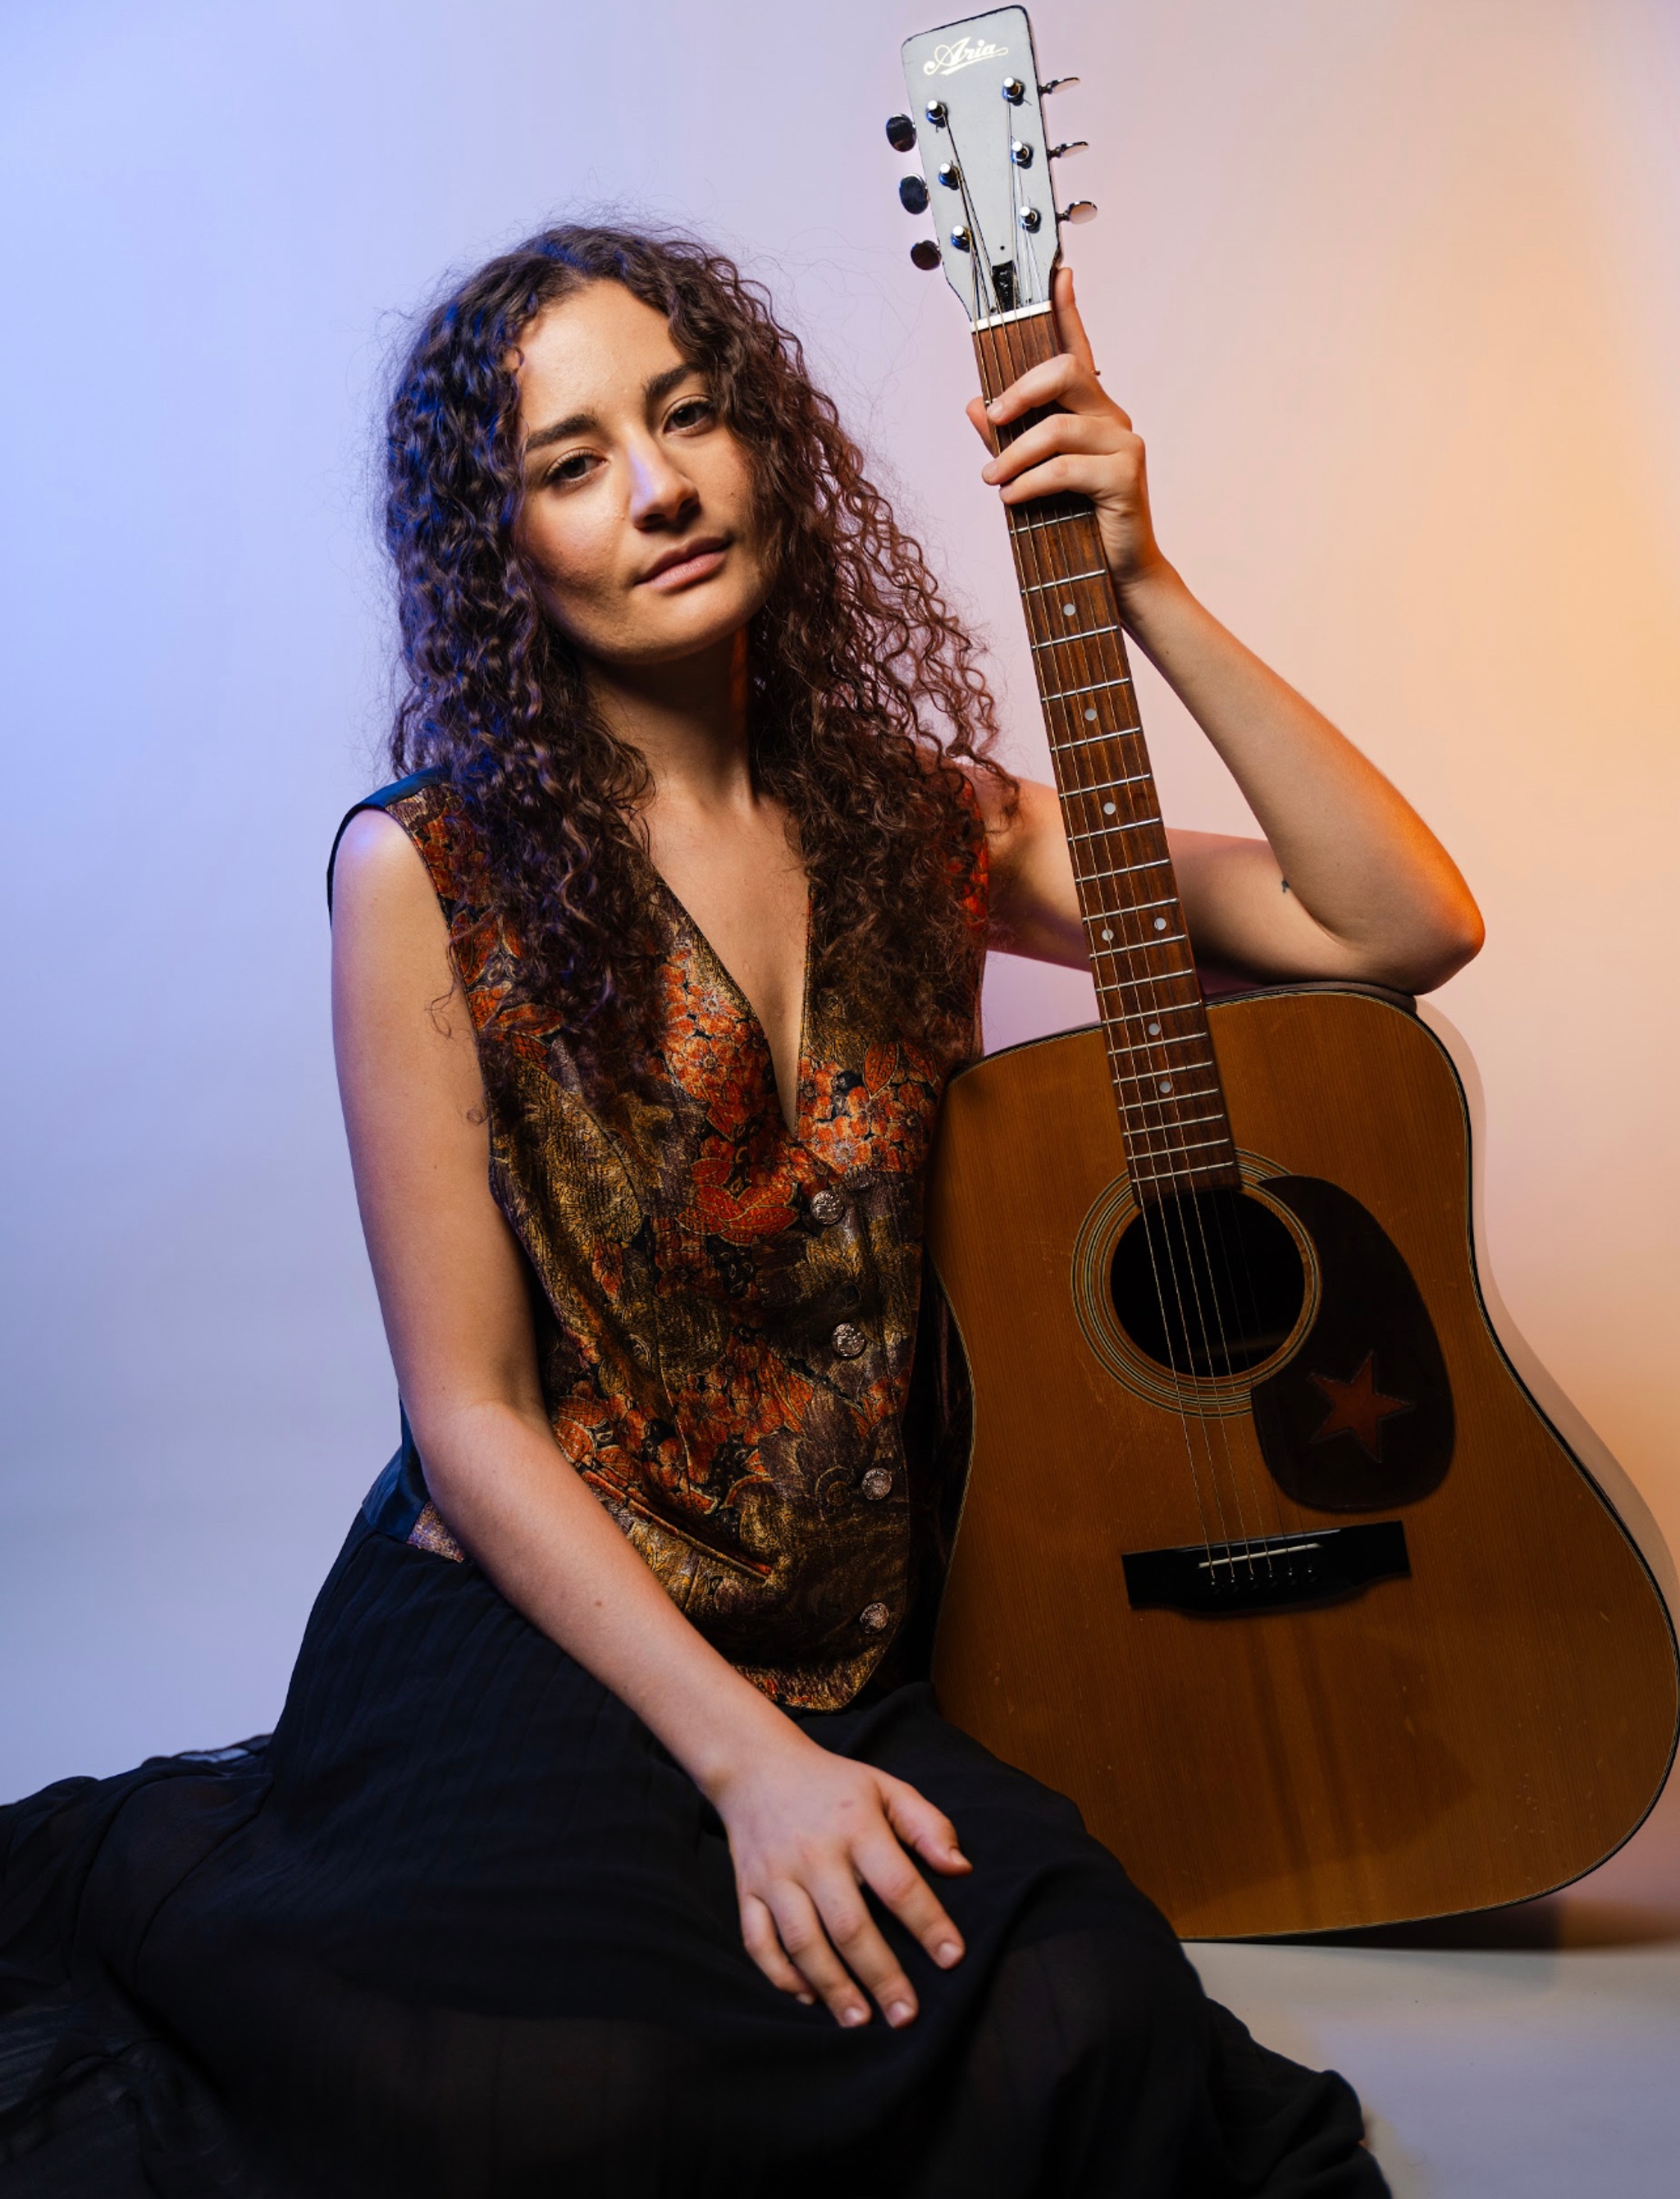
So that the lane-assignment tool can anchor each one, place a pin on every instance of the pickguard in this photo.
(1361, 1419)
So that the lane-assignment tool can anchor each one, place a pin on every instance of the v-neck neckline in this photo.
(794, 1133)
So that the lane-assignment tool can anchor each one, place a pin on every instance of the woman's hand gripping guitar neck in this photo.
(808, 1831)
(1349, 882)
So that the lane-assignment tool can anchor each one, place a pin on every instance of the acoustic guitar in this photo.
(1266, 1556)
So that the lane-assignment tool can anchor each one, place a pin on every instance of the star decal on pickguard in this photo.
(1358, 1408)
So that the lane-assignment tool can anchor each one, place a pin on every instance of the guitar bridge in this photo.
(1266, 1573)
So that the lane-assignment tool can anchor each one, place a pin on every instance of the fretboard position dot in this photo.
(1090, 717)
(1154, 1030)
(1108, 810)
(1068, 611)
(1160, 924)
(1165, 1084)
(1108, 935)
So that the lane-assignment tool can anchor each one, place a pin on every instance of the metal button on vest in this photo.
(827, 1207)
(848, 1341)
(873, 1617)
(876, 1484)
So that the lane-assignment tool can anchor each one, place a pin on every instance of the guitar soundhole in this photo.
(1207, 1283)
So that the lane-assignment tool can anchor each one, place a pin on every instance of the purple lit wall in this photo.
(1390, 290)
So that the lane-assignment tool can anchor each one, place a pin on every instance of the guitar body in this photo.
(1474, 1718)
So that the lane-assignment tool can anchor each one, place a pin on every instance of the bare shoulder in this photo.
(378, 867)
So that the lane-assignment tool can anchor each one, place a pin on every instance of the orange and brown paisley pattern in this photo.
(726, 1312)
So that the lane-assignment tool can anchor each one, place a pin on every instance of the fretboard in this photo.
(1160, 1056)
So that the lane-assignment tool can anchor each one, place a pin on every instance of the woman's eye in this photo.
(576, 466)
(693, 412)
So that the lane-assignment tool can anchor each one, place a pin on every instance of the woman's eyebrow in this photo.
(657, 387)
(661, 385)
(575, 423)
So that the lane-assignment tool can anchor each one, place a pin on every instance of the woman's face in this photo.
(637, 520)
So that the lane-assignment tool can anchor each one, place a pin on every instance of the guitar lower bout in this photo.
(1266, 1556)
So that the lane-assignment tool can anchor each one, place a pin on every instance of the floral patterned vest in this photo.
(727, 1313)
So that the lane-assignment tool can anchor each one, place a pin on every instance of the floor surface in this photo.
(1530, 2054)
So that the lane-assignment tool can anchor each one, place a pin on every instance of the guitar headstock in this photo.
(977, 121)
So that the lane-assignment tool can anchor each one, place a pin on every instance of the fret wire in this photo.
(1061, 640)
(1170, 1175)
(1072, 581)
(1133, 984)
(1194, 1054)
(1137, 908)
(1102, 785)
(1176, 1098)
(1114, 825)
(1172, 1008)
(1040, 526)
(1191, 1145)
(1163, 1048)
(1061, 694)
(1061, 747)
(1127, 871)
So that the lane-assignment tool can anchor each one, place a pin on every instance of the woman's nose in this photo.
(661, 495)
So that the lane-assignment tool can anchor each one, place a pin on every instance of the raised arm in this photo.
(1349, 882)
(806, 1828)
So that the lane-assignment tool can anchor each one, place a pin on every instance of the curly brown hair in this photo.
(866, 697)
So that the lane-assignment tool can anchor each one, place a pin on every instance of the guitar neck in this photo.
(1160, 1055)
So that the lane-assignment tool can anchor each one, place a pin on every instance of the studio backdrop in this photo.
(1390, 289)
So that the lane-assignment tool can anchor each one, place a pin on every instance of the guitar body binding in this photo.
(1465, 1692)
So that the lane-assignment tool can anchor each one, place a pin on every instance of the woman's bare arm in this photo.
(805, 1827)
(1370, 891)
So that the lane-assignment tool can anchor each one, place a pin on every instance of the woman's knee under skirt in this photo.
(464, 1930)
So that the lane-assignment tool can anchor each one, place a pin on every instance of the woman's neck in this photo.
(686, 719)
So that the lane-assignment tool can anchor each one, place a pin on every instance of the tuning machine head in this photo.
(1081, 211)
(925, 254)
(901, 133)
(912, 195)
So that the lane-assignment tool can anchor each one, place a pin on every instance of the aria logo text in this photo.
(961, 53)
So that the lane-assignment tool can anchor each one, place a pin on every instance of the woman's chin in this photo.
(690, 626)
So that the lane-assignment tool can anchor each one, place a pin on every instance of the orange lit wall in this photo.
(1392, 293)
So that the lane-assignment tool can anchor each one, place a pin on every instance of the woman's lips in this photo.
(699, 564)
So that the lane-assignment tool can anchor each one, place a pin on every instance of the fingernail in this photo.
(806, 2000)
(996, 405)
(900, 2013)
(851, 2017)
(947, 1952)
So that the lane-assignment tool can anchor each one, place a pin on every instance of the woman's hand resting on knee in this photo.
(808, 1832)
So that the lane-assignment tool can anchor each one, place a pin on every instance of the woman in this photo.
(610, 1839)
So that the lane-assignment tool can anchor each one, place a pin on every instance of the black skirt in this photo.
(462, 1929)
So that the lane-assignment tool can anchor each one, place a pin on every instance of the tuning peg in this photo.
(924, 253)
(1056, 83)
(1073, 145)
(1082, 210)
(901, 133)
(912, 195)
(1014, 90)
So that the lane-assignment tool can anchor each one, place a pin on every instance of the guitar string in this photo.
(1030, 571)
(1152, 1214)
(1215, 1342)
(1157, 1238)
(1007, 346)
(1217, 1357)
(1153, 1220)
